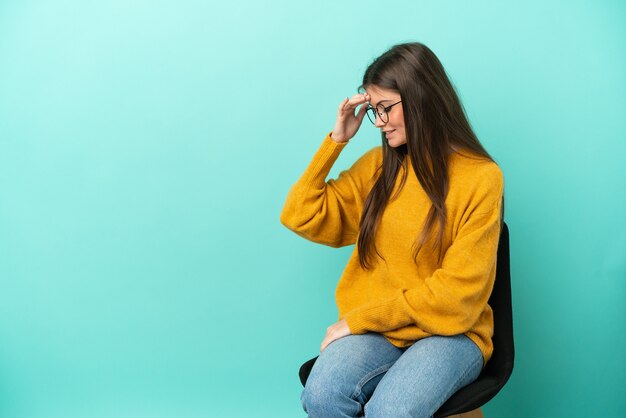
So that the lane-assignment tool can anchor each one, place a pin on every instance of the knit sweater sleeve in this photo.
(328, 212)
(450, 301)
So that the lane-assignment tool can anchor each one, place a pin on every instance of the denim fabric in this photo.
(365, 375)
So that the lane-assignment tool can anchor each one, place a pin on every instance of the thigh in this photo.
(425, 376)
(349, 370)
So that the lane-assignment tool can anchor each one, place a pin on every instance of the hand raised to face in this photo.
(348, 122)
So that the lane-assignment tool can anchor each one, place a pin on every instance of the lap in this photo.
(368, 370)
(353, 363)
(425, 376)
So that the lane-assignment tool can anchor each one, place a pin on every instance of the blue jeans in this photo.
(365, 375)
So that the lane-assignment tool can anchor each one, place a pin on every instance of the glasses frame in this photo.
(381, 110)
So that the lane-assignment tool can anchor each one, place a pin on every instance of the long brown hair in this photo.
(435, 124)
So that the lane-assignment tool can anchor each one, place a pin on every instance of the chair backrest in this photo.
(500, 366)
(501, 363)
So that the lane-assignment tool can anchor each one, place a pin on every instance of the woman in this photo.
(425, 212)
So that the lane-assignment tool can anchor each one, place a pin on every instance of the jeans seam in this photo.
(382, 369)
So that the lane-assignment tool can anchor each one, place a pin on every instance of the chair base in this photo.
(476, 413)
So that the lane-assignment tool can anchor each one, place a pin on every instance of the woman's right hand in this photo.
(348, 122)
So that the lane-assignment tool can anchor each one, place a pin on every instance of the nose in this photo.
(379, 121)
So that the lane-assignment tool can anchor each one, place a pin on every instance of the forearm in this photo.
(313, 208)
(451, 299)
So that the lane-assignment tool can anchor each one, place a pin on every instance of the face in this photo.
(393, 129)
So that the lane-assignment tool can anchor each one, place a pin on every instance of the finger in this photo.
(324, 344)
(353, 102)
(328, 338)
(362, 112)
(357, 99)
(343, 104)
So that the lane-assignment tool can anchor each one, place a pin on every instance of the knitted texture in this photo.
(403, 298)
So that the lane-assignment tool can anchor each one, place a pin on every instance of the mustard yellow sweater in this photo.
(398, 298)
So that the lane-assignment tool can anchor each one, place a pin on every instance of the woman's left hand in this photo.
(334, 332)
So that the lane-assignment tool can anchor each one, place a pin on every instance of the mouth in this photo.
(387, 133)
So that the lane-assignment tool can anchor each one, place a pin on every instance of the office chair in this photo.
(498, 369)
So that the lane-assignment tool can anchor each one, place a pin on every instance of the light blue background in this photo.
(146, 148)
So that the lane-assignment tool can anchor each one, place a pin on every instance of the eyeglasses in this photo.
(381, 110)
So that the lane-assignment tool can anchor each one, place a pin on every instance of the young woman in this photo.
(424, 210)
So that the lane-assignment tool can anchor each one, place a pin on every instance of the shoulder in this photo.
(468, 167)
(475, 180)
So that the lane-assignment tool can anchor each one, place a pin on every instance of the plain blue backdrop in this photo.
(146, 149)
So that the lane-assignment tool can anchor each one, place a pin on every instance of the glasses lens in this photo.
(382, 113)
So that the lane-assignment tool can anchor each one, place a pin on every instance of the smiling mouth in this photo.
(389, 132)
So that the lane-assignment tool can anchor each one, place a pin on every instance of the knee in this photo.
(324, 399)
(313, 401)
(380, 408)
(389, 409)
(391, 404)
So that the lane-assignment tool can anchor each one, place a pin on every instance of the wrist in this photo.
(338, 140)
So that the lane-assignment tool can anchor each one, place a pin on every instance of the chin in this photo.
(395, 143)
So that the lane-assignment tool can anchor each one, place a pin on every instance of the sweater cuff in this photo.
(329, 138)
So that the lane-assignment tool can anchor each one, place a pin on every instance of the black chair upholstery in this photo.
(498, 369)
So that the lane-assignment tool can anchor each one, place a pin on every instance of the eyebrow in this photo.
(382, 101)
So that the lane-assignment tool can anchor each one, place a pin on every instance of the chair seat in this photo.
(473, 396)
